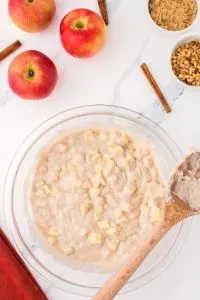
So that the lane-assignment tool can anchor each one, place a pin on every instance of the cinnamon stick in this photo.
(156, 88)
(103, 9)
(10, 49)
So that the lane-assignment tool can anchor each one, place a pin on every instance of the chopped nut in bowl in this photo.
(185, 61)
(173, 16)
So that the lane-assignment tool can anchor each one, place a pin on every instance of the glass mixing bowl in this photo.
(18, 214)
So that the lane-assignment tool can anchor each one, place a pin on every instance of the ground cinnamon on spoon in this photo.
(186, 182)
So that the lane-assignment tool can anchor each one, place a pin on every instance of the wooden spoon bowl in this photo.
(175, 211)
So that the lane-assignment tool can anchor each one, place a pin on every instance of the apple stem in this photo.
(31, 73)
(80, 24)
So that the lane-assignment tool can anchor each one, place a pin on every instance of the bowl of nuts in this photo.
(185, 61)
(173, 16)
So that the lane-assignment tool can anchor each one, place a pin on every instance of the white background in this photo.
(112, 77)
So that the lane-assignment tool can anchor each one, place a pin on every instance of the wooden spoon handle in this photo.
(118, 280)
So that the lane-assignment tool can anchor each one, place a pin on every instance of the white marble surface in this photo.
(112, 77)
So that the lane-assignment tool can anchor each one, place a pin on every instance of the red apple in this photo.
(82, 33)
(32, 15)
(32, 75)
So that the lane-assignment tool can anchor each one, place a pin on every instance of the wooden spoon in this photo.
(175, 211)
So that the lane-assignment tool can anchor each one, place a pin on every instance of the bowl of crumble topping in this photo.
(84, 190)
(173, 16)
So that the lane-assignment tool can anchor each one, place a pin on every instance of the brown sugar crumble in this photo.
(173, 15)
(186, 63)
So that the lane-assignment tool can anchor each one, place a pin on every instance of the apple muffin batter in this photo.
(97, 195)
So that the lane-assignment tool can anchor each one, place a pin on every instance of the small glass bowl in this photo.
(18, 214)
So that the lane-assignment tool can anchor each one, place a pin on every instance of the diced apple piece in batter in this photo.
(52, 240)
(85, 208)
(103, 224)
(84, 232)
(95, 238)
(68, 250)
